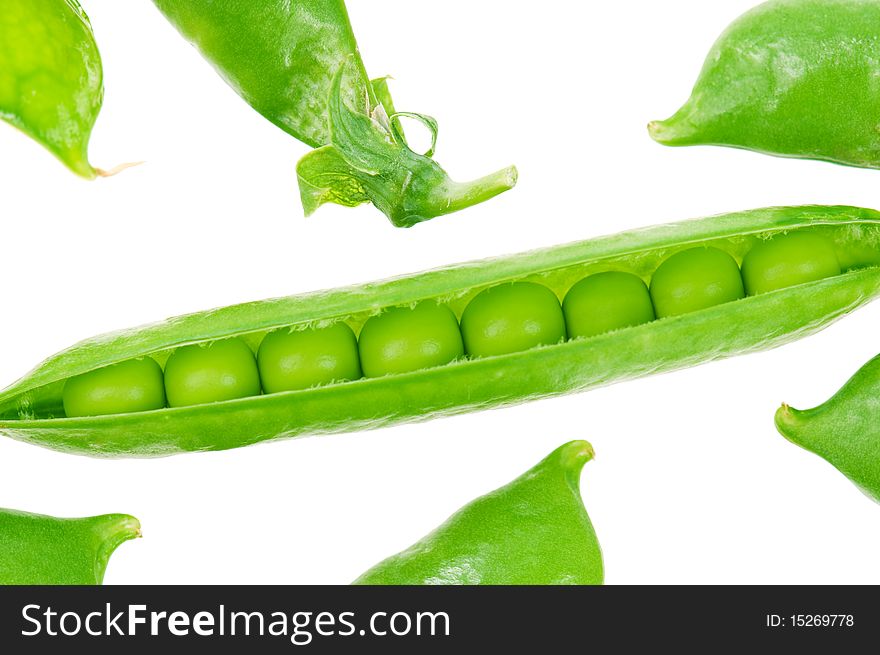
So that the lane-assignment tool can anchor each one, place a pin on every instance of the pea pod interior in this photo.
(31, 409)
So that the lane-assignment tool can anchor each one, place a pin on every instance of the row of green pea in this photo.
(503, 319)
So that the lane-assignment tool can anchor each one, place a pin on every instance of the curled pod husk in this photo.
(298, 64)
(796, 78)
(44, 550)
(31, 409)
(51, 80)
(844, 430)
(533, 531)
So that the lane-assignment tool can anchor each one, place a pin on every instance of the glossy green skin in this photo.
(510, 318)
(298, 64)
(31, 410)
(210, 373)
(136, 385)
(695, 279)
(533, 531)
(795, 78)
(606, 302)
(43, 550)
(300, 359)
(405, 339)
(845, 430)
(786, 261)
(51, 80)
(280, 57)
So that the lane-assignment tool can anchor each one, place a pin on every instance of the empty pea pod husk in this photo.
(533, 531)
(844, 430)
(45, 550)
(31, 409)
(51, 78)
(792, 78)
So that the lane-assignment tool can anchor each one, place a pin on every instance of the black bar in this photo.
(686, 619)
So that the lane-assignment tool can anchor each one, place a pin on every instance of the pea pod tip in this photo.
(578, 452)
(786, 420)
(122, 527)
(115, 170)
(668, 132)
(573, 456)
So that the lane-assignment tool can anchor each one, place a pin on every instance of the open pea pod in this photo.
(32, 409)
(51, 84)
(298, 64)
(533, 531)
(44, 550)
(795, 78)
(844, 430)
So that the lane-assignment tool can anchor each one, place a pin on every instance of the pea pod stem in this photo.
(368, 160)
(30, 409)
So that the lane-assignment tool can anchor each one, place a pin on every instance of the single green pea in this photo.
(409, 339)
(605, 302)
(510, 318)
(135, 385)
(301, 359)
(208, 373)
(785, 261)
(695, 279)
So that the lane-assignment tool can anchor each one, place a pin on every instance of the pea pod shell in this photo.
(44, 550)
(51, 79)
(795, 78)
(747, 325)
(298, 64)
(533, 531)
(280, 57)
(845, 430)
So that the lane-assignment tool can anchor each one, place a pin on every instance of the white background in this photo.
(691, 484)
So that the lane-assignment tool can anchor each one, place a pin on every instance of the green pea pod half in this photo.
(796, 78)
(845, 430)
(280, 57)
(533, 531)
(298, 64)
(51, 80)
(44, 550)
(32, 409)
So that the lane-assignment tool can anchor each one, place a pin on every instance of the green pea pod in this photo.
(280, 57)
(796, 78)
(44, 550)
(50, 77)
(845, 430)
(533, 531)
(32, 409)
(298, 65)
